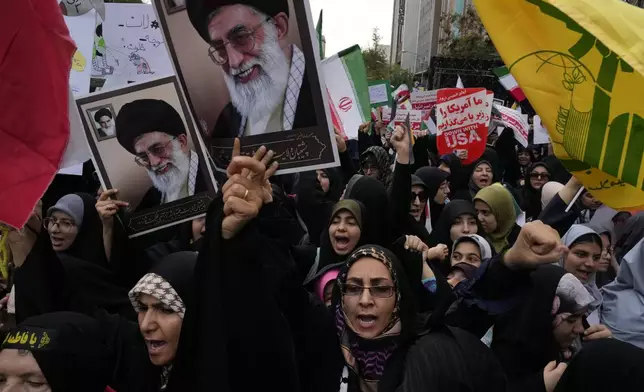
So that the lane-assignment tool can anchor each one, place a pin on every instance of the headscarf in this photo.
(373, 195)
(473, 187)
(501, 204)
(351, 183)
(569, 239)
(381, 160)
(628, 235)
(88, 244)
(623, 306)
(604, 365)
(531, 198)
(523, 338)
(367, 358)
(327, 259)
(457, 178)
(172, 283)
(548, 191)
(70, 348)
(433, 178)
(481, 243)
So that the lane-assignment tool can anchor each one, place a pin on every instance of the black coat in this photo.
(229, 123)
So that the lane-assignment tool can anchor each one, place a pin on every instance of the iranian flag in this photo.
(510, 84)
(345, 76)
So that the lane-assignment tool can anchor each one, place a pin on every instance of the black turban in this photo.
(146, 115)
(70, 349)
(199, 11)
(102, 113)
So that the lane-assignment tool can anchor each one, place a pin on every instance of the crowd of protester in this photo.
(382, 274)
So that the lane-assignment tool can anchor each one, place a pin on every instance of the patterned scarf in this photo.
(368, 357)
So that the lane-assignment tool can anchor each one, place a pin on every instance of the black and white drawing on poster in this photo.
(157, 159)
(173, 6)
(250, 69)
(102, 122)
(129, 45)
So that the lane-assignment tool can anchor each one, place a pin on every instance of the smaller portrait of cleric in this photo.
(103, 122)
(154, 133)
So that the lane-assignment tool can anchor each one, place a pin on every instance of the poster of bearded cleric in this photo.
(156, 158)
(249, 70)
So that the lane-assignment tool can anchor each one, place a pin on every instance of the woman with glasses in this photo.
(537, 175)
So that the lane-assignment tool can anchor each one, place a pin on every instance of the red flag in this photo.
(35, 60)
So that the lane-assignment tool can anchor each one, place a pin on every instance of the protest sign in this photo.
(386, 115)
(540, 132)
(156, 158)
(517, 122)
(423, 100)
(346, 83)
(273, 95)
(462, 117)
(415, 119)
(81, 29)
(379, 93)
(129, 45)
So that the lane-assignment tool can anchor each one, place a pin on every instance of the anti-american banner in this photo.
(581, 65)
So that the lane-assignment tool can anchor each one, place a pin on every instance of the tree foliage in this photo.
(375, 58)
(378, 68)
(463, 35)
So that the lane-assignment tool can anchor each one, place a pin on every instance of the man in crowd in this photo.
(155, 134)
(104, 118)
(264, 73)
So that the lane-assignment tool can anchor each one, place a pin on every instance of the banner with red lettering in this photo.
(517, 122)
(423, 100)
(463, 117)
(415, 119)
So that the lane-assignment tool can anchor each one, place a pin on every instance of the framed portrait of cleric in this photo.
(102, 122)
(250, 69)
(156, 159)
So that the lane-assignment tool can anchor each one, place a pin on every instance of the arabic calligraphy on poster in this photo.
(463, 116)
(517, 122)
(415, 119)
(131, 48)
(424, 100)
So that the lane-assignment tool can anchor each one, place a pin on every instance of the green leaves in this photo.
(571, 79)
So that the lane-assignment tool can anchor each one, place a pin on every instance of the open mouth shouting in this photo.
(156, 347)
(341, 243)
(415, 212)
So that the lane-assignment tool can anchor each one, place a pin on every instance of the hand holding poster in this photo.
(463, 116)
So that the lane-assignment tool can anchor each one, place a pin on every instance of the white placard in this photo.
(81, 29)
(378, 94)
(540, 132)
(134, 44)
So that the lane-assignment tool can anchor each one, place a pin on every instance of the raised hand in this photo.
(108, 207)
(597, 331)
(340, 142)
(537, 244)
(439, 252)
(552, 374)
(415, 244)
(246, 190)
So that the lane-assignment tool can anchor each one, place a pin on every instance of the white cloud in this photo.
(350, 22)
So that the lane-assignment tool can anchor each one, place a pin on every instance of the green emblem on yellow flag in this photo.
(581, 65)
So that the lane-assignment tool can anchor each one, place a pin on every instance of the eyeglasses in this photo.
(422, 196)
(369, 167)
(65, 226)
(540, 176)
(242, 40)
(355, 290)
(158, 150)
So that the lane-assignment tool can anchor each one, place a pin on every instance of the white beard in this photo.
(259, 97)
(171, 183)
(109, 131)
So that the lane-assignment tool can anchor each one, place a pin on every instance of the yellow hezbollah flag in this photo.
(581, 65)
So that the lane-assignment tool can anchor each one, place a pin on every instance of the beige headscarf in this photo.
(548, 191)
(501, 204)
